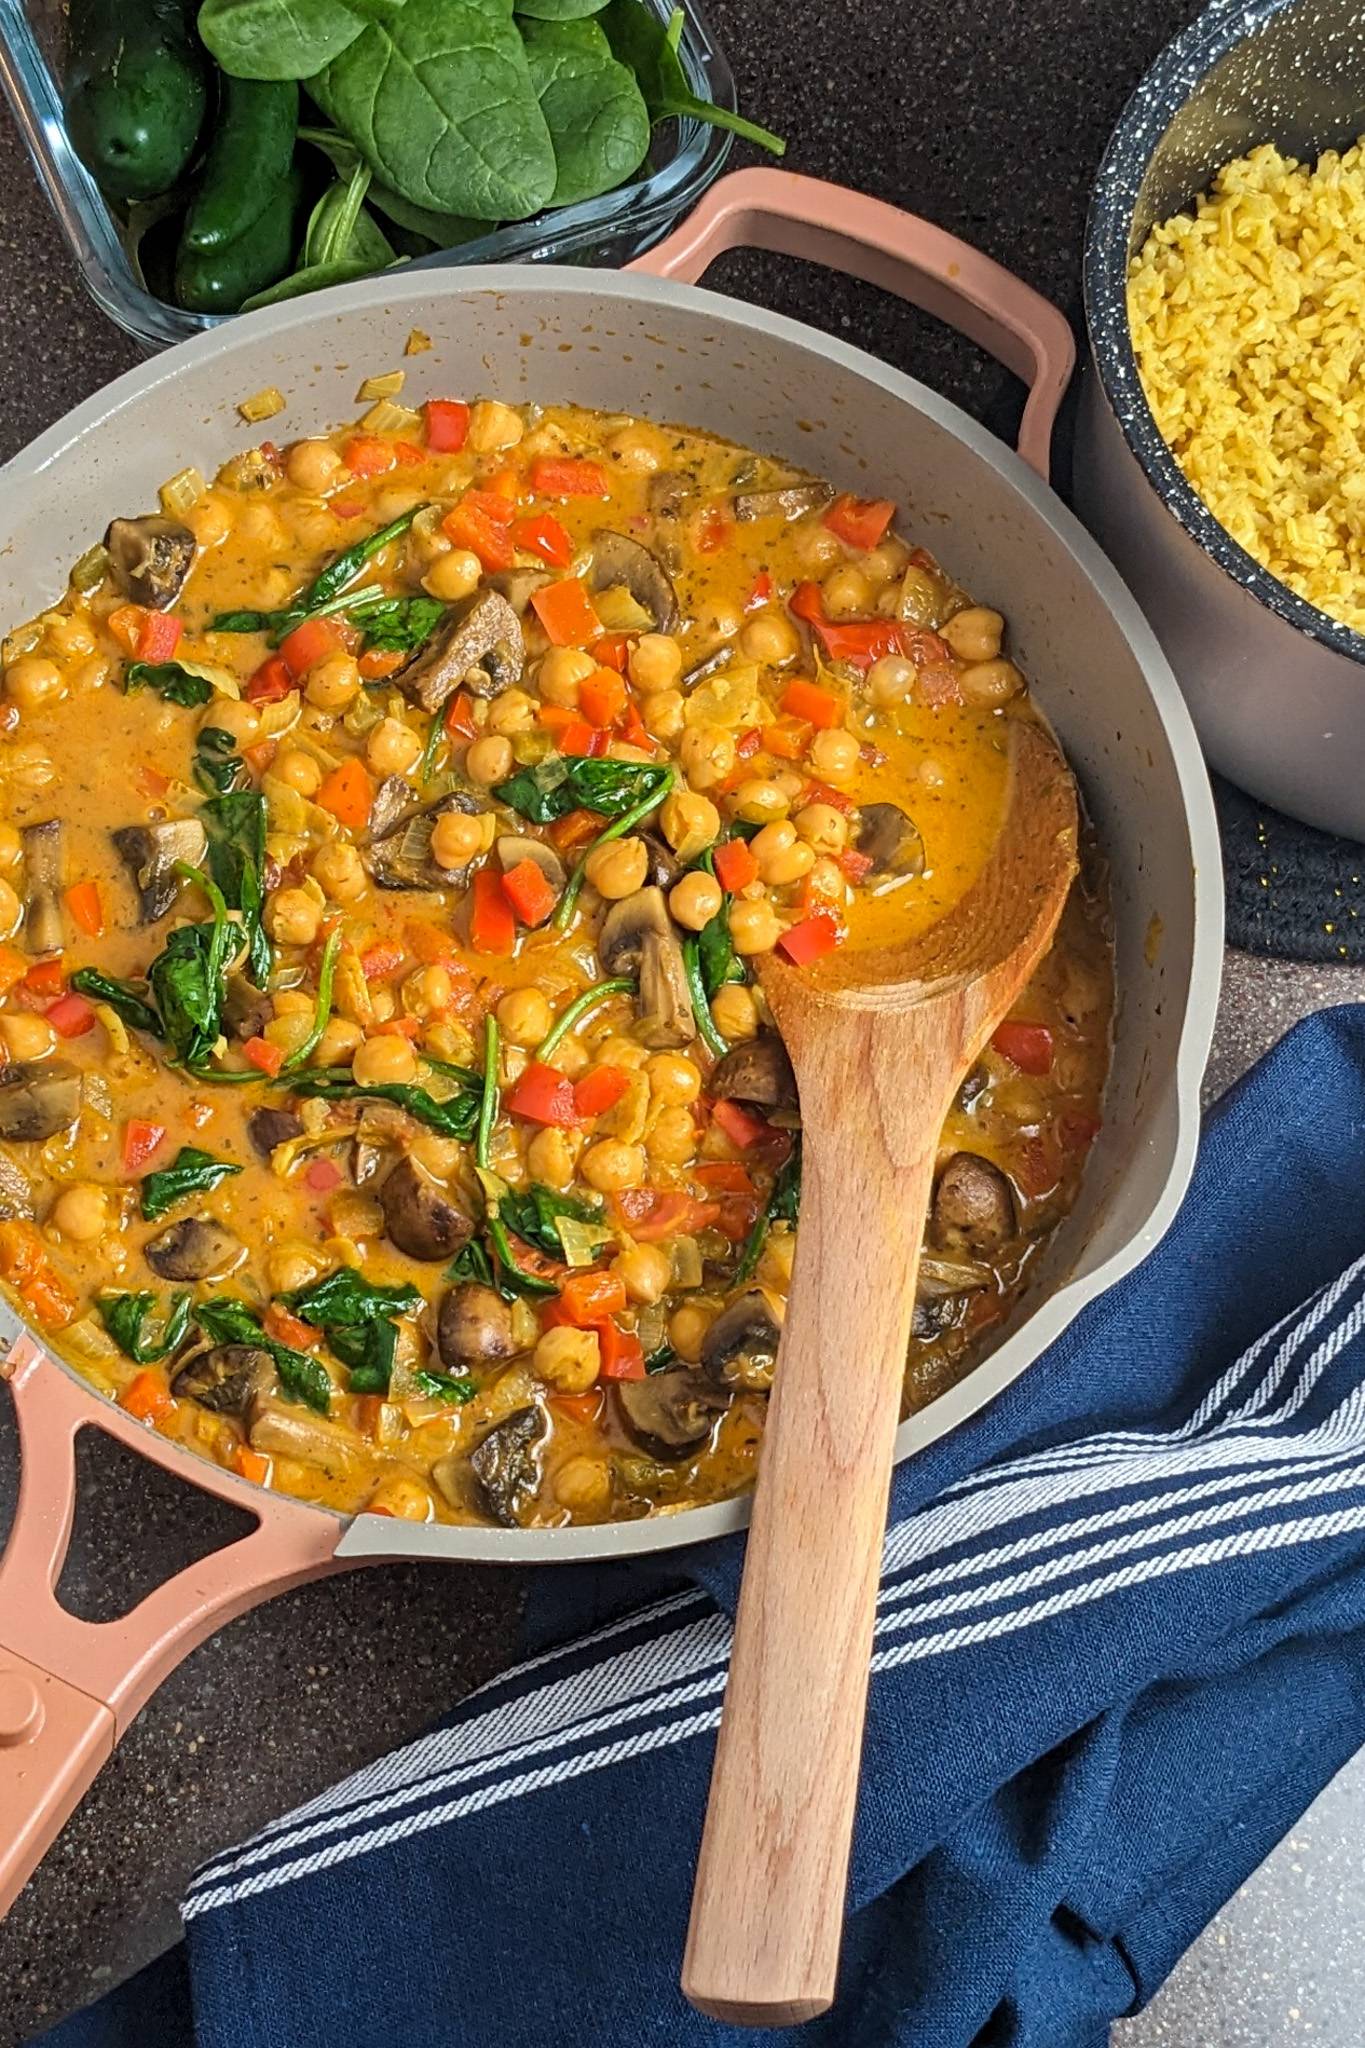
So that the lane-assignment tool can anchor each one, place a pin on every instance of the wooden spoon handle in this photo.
(767, 1910)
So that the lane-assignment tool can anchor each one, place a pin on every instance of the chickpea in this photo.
(720, 620)
(231, 715)
(610, 1166)
(771, 638)
(781, 856)
(848, 594)
(618, 869)
(313, 465)
(688, 817)
(383, 1060)
(92, 674)
(672, 1137)
(834, 756)
(442, 1157)
(644, 1271)
(890, 680)
(11, 846)
(292, 917)
(489, 760)
(260, 524)
(759, 800)
(583, 1486)
(455, 839)
(338, 1042)
(405, 1498)
(395, 500)
(615, 1050)
(298, 770)
(71, 634)
(211, 520)
(886, 561)
(777, 1259)
(292, 1266)
(707, 755)
(571, 1057)
(512, 712)
(687, 1326)
(655, 662)
(664, 714)
(695, 900)
(636, 450)
(27, 1037)
(492, 426)
(826, 884)
(81, 1213)
(990, 682)
(427, 990)
(524, 1016)
(11, 910)
(673, 1080)
(754, 927)
(339, 872)
(33, 681)
(568, 1360)
(550, 1159)
(561, 671)
(822, 827)
(735, 1012)
(393, 748)
(975, 633)
(333, 682)
(289, 1027)
(453, 575)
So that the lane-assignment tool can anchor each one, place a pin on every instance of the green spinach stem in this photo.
(569, 1019)
(701, 1008)
(323, 1008)
(488, 1108)
(563, 917)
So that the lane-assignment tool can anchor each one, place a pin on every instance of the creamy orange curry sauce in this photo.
(391, 829)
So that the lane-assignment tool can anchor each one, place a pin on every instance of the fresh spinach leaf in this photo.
(346, 1300)
(332, 223)
(176, 684)
(304, 1378)
(369, 1351)
(235, 824)
(122, 998)
(445, 1386)
(595, 112)
(438, 98)
(277, 38)
(608, 787)
(455, 1118)
(191, 1172)
(443, 230)
(315, 279)
(640, 40)
(218, 767)
(125, 1318)
(784, 1199)
(560, 10)
(397, 625)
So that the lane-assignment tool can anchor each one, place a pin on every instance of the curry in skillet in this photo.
(391, 827)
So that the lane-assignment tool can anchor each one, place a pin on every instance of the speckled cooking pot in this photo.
(1275, 687)
(656, 346)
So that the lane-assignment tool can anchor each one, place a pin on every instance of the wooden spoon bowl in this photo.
(881, 1042)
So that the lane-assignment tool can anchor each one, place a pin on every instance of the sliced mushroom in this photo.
(227, 1378)
(740, 1348)
(419, 1215)
(506, 1465)
(284, 1431)
(940, 1276)
(512, 849)
(195, 1248)
(474, 1327)
(973, 1208)
(932, 1316)
(663, 867)
(519, 586)
(619, 561)
(150, 558)
(246, 1010)
(668, 1413)
(791, 501)
(400, 856)
(637, 937)
(268, 1128)
(44, 931)
(890, 840)
(758, 1071)
(150, 852)
(16, 1193)
(393, 800)
(478, 647)
(38, 1098)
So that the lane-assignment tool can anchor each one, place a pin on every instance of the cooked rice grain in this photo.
(1248, 322)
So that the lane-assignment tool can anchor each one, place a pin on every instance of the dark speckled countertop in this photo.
(990, 121)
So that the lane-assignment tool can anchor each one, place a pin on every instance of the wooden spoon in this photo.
(881, 1042)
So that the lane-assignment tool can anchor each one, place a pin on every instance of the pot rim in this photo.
(1150, 109)
(372, 1537)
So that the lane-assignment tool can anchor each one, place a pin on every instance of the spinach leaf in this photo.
(609, 787)
(560, 10)
(235, 823)
(332, 223)
(125, 1318)
(443, 230)
(315, 279)
(369, 1352)
(784, 1199)
(277, 38)
(176, 684)
(188, 989)
(660, 1360)
(438, 98)
(328, 585)
(474, 1264)
(304, 1378)
(191, 1172)
(716, 956)
(640, 40)
(455, 1118)
(346, 1300)
(593, 108)
(512, 1276)
(445, 1386)
(531, 1212)
(218, 767)
(397, 625)
(122, 998)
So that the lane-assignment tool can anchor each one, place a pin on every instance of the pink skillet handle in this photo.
(847, 231)
(70, 1688)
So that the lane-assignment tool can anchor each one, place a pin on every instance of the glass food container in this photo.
(684, 157)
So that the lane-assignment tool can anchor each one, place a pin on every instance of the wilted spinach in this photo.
(610, 788)
(346, 1299)
(397, 625)
(218, 767)
(176, 684)
(125, 1318)
(456, 1117)
(191, 1172)
(784, 1199)
(226, 1321)
(235, 824)
(123, 999)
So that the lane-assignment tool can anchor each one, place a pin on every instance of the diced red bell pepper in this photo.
(492, 919)
(159, 636)
(806, 941)
(71, 1016)
(760, 591)
(1026, 1046)
(724, 1176)
(582, 740)
(382, 961)
(380, 663)
(714, 532)
(650, 1216)
(469, 526)
(613, 650)
(265, 1057)
(496, 499)
(408, 455)
(308, 644)
(44, 980)
(748, 743)
(459, 718)
(540, 533)
(323, 1175)
(147, 1397)
(566, 612)
(564, 476)
(288, 1329)
(602, 697)
(806, 700)
(855, 866)
(542, 1095)
(587, 1298)
(860, 522)
(82, 899)
(529, 892)
(140, 1140)
(347, 792)
(739, 1124)
(859, 642)
(447, 425)
(600, 1090)
(735, 865)
(368, 455)
(271, 681)
(575, 829)
(622, 1354)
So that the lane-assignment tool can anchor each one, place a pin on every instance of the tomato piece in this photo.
(565, 611)
(739, 1124)
(564, 476)
(382, 961)
(271, 681)
(735, 865)
(529, 892)
(147, 1397)
(1026, 1046)
(308, 644)
(459, 718)
(806, 700)
(542, 1094)
(469, 526)
(368, 455)
(82, 899)
(447, 425)
(724, 1176)
(860, 522)
(613, 650)
(347, 793)
(492, 919)
(140, 1140)
(806, 941)
(265, 1057)
(600, 1090)
(540, 533)
(650, 1216)
(592, 1297)
(622, 1353)
(71, 1016)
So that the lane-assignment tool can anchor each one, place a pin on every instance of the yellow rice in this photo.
(1248, 320)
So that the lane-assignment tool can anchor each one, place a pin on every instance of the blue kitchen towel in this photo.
(1120, 1646)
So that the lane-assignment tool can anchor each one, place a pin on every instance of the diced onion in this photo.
(730, 698)
(262, 404)
(91, 570)
(417, 343)
(388, 418)
(687, 1262)
(387, 386)
(277, 718)
(620, 612)
(181, 492)
(581, 1241)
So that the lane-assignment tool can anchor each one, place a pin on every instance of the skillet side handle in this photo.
(863, 237)
(70, 1688)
